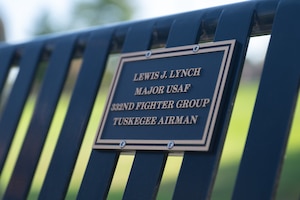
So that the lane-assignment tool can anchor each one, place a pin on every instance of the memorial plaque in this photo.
(166, 99)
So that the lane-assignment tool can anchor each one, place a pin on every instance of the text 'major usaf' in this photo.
(166, 99)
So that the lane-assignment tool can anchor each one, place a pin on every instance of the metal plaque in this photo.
(166, 99)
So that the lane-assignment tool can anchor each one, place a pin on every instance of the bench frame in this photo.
(268, 132)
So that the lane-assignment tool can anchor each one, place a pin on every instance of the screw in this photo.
(170, 145)
(122, 144)
(196, 48)
(148, 54)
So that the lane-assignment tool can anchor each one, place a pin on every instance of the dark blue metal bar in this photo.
(17, 98)
(272, 116)
(148, 167)
(21, 179)
(198, 170)
(6, 56)
(145, 175)
(185, 30)
(98, 175)
(81, 104)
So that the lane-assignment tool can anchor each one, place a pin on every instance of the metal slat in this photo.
(263, 26)
(98, 175)
(76, 120)
(145, 175)
(6, 56)
(16, 100)
(275, 104)
(148, 167)
(191, 24)
(44, 109)
(198, 170)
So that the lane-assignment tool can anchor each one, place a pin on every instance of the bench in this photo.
(89, 51)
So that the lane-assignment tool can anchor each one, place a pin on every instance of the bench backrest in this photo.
(262, 159)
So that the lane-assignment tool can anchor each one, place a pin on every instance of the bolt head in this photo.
(122, 144)
(148, 54)
(170, 145)
(196, 48)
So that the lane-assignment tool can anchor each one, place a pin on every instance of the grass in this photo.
(289, 185)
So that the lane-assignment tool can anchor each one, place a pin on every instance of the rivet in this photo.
(170, 145)
(122, 144)
(196, 48)
(148, 54)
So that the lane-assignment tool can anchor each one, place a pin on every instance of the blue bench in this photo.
(262, 159)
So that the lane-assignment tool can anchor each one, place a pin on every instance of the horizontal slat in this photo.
(263, 25)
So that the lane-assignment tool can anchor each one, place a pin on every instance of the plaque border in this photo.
(171, 145)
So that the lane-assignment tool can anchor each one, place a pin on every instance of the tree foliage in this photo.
(85, 13)
(44, 25)
(101, 11)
